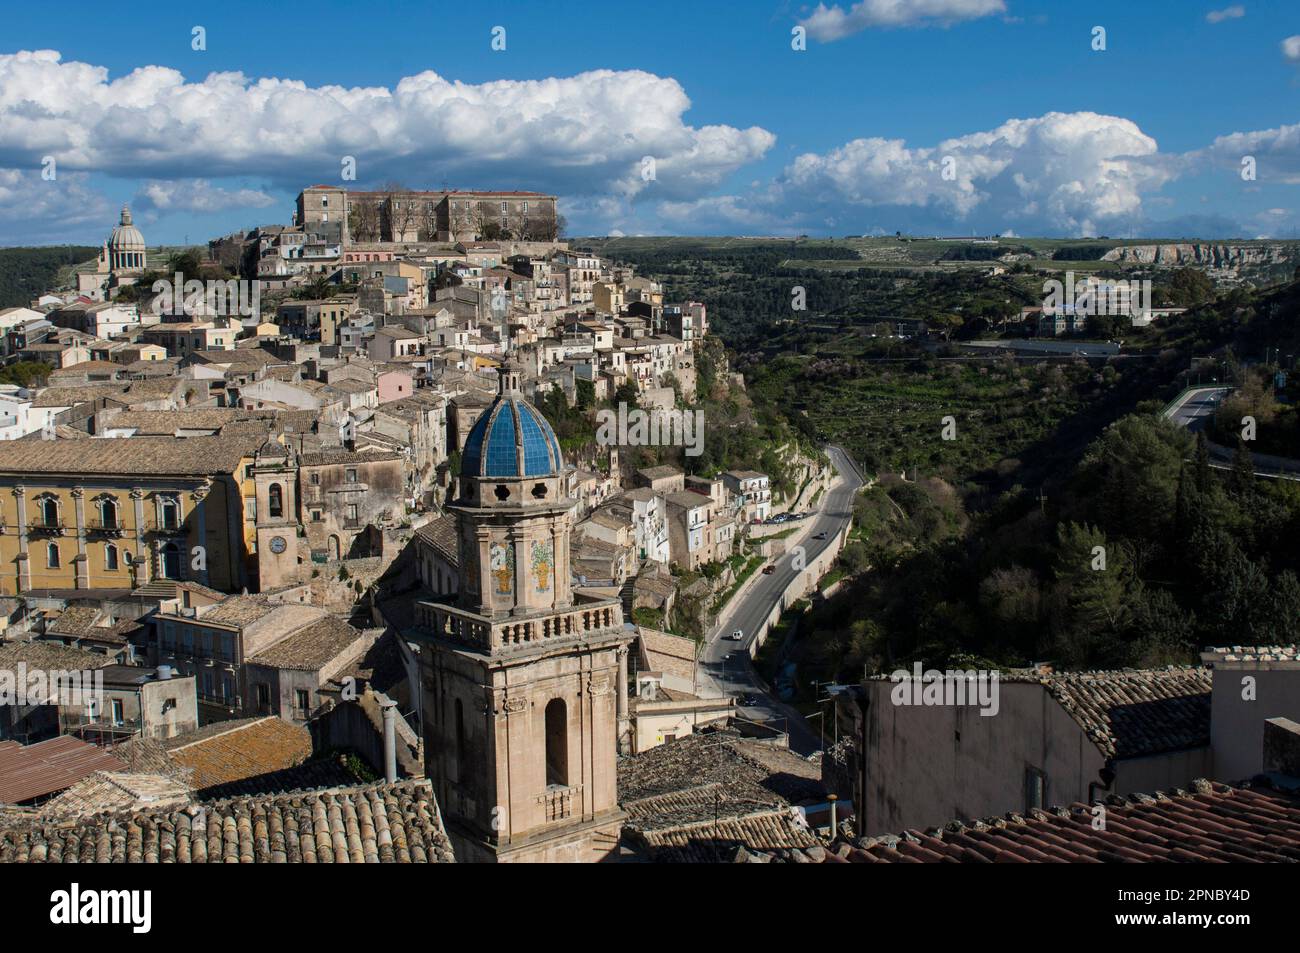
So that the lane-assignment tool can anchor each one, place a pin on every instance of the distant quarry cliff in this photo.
(1207, 254)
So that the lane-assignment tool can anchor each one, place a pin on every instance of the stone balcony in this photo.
(583, 620)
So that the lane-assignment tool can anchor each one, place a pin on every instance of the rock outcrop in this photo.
(1204, 254)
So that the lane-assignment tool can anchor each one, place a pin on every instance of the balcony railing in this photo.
(46, 526)
(458, 625)
(113, 527)
(558, 802)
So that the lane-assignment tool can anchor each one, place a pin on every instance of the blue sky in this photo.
(930, 116)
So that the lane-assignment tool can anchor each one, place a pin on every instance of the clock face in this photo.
(277, 544)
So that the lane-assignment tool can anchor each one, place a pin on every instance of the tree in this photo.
(363, 220)
(485, 220)
(402, 210)
(1186, 288)
(543, 224)
(1202, 463)
(1094, 596)
(1130, 476)
(1242, 480)
(186, 262)
(945, 323)
(626, 393)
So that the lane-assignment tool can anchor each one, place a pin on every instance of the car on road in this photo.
(769, 569)
(821, 535)
(736, 636)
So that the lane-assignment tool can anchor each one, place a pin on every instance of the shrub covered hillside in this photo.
(1143, 556)
(26, 272)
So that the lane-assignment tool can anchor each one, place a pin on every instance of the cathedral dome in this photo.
(511, 439)
(126, 237)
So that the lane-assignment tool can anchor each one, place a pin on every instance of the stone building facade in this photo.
(352, 216)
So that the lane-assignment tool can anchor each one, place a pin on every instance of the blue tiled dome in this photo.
(511, 439)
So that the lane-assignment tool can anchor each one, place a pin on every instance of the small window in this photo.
(352, 475)
(263, 695)
(110, 558)
(315, 479)
(304, 700)
(1035, 789)
(52, 556)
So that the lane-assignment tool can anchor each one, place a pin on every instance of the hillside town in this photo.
(481, 442)
(301, 535)
(292, 538)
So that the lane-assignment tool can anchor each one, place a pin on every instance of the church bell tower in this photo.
(523, 681)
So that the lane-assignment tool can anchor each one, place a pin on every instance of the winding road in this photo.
(724, 665)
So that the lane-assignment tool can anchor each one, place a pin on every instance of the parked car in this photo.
(769, 569)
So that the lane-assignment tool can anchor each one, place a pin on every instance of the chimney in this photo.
(390, 740)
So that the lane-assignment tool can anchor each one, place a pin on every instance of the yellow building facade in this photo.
(116, 513)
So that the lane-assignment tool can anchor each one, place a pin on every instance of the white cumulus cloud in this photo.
(37, 211)
(584, 134)
(1061, 172)
(197, 195)
(1234, 12)
(828, 24)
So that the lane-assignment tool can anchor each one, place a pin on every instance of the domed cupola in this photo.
(511, 439)
(126, 248)
(512, 510)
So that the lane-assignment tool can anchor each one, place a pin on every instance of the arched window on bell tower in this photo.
(557, 743)
(276, 501)
(461, 757)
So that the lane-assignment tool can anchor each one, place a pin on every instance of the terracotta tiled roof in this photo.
(333, 457)
(1210, 823)
(238, 610)
(245, 748)
(194, 456)
(73, 620)
(318, 773)
(378, 823)
(704, 824)
(107, 791)
(1132, 713)
(747, 770)
(313, 647)
(1252, 653)
(440, 534)
(49, 656)
(32, 771)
